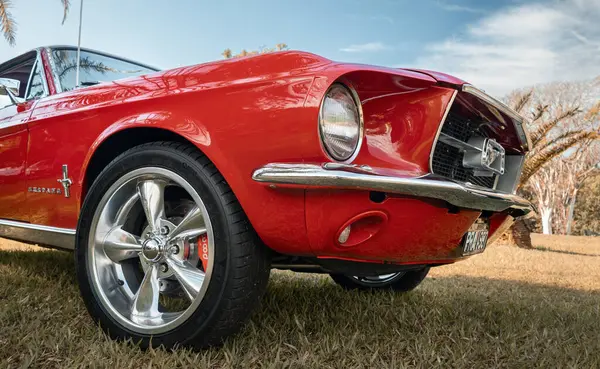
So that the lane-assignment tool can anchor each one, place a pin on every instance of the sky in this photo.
(497, 45)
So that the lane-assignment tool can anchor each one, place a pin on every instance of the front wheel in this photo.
(400, 281)
(165, 255)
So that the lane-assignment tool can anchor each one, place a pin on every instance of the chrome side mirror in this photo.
(10, 87)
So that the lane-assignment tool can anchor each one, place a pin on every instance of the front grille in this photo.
(447, 160)
(459, 127)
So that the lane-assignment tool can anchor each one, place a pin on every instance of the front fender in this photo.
(188, 128)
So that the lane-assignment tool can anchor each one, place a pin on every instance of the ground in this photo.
(506, 308)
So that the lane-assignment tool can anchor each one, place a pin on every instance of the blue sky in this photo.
(499, 45)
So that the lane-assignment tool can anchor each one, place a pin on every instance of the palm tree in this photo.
(547, 144)
(8, 24)
(228, 54)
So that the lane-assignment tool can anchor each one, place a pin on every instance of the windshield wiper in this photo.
(89, 83)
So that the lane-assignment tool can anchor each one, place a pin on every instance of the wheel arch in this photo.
(116, 141)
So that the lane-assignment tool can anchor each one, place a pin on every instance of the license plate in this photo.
(475, 240)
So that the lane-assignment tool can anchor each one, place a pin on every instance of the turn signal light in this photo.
(361, 228)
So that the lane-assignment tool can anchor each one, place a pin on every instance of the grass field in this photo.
(506, 308)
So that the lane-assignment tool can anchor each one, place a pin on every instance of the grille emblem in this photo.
(485, 156)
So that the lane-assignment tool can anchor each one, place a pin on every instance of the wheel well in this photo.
(120, 142)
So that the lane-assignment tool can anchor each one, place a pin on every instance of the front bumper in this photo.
(342, 176)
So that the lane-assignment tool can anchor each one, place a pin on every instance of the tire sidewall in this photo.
(200, 180)
(401, 283)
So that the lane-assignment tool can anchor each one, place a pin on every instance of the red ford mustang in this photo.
(179, 190)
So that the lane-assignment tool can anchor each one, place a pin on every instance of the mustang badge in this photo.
(65, 181)
(45, 190)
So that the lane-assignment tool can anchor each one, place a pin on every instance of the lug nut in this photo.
(164, 268)
(174, 249)
(164, 230)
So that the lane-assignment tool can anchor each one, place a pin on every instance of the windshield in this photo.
(94, 68)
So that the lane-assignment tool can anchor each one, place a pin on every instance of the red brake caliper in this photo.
(203, 250)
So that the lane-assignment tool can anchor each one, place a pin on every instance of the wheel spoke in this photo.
(145, 301)
(191, 278)
(120, 245)
(192, 225)
(152, 193)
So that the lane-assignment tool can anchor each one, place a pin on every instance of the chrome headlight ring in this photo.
(341, 126)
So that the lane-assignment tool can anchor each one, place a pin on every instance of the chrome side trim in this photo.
(40, 61)
(62, 238)
(439, 130)
(463, 196)
(55, 77)
(521, 130)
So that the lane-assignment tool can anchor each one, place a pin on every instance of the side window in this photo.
(93, 68)
(36, 84)
(17, 75)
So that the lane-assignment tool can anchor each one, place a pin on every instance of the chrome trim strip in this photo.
(62, 238)
(41, 62)
(463, 196)
(57, 84)
(439, 130)
(38, 61)
(455, 142)
(521, 130)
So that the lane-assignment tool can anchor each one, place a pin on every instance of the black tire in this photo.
(402, 282)
(241, 262)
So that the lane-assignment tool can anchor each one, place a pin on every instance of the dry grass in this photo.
(571, 244)
(505, 308)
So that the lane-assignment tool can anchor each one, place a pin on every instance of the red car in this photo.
(180, 190)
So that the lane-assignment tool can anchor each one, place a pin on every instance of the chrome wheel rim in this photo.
(379, 279)
(151, 250)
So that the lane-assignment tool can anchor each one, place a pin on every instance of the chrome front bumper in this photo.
(332, 175)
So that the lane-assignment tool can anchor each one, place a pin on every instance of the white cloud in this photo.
(458, 8)
(368, 47)
(522, 45)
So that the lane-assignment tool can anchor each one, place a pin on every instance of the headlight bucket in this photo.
(341, 123)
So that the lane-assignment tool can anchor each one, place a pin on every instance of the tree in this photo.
(556, 185)
(587, 209)
(563, 118)
(228, 54)
(8, 24)
(545, 195)
(580, 166)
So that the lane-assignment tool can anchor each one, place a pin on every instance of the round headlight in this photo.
(340, 123)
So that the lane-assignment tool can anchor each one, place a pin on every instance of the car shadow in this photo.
(567, 252)
(457, 320)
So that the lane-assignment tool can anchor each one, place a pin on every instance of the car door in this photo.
(14, 134)
(62, 128)
(13, 157)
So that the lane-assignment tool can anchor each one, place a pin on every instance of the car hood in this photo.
(440, 77)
